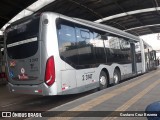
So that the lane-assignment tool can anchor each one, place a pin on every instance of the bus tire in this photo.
(103, 82)
(116, 76)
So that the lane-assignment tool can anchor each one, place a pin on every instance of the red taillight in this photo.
(50, 72)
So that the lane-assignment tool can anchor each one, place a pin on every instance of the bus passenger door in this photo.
(133, 59)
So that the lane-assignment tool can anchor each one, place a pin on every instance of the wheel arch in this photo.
(117, 68)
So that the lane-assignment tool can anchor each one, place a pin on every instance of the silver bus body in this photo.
(50, 63)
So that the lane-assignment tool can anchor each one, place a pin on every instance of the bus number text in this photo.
(86, 77)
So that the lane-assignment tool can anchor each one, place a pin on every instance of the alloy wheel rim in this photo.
(103, 80)
(115, 77)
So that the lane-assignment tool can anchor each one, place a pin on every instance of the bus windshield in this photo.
(22, 39)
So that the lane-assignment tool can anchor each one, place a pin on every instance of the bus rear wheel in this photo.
(103, 82)
(116, 76)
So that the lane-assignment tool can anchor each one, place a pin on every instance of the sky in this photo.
(152, 40)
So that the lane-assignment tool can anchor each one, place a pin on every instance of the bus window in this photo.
(118, 50)
(125, 50)
(99, 47)
(85, 46)
(67, 43)
(138, 52)
(22, 39)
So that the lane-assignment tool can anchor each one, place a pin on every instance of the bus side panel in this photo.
(127, 70)
(87, 79)
(68, 81)
(139, 68)
(90, 77)
(81, 82)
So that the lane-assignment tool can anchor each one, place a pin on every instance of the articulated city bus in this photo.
(52, 54)
(150, 57)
